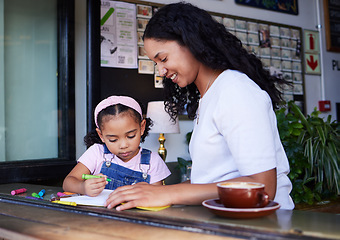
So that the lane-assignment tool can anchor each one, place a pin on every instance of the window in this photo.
(36, 90)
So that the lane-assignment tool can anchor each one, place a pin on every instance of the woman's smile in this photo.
(174, 61)
(173, 77)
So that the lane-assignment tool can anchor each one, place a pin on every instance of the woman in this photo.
(231, 97)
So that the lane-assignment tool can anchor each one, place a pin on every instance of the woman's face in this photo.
(173, 60)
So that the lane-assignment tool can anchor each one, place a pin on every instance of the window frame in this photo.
(55, 169)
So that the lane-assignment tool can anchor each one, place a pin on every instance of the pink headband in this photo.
(113, 100)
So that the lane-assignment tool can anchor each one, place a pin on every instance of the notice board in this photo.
(120, 81)
(282, 53)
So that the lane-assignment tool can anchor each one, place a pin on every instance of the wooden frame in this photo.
(332, 36)
(287, 6)
(54, 170)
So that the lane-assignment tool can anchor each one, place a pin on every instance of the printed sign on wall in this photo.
(311, 41)
(118, 37)
(312, 62)
(312, 52)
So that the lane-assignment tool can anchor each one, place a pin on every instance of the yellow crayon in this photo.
(65, 202)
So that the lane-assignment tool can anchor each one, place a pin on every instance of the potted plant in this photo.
(183, 164)
(312, 146)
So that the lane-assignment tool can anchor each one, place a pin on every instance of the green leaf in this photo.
(297, 125)
(296, 132)
(312, 145)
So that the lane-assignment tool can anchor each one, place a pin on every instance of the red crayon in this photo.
(18, 191)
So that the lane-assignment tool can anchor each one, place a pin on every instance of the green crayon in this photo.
(36, 195)
(88, 176)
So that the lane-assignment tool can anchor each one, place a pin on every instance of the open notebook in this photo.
(99, 200)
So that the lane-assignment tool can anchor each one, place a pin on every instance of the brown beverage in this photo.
(242, 194)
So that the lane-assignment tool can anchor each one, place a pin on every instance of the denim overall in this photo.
(121, 176)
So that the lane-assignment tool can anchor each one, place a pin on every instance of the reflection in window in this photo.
(28, 80)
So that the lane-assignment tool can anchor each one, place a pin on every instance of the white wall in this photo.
(314, 91)
(80, 75)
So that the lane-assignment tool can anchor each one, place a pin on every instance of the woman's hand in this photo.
(139, 195)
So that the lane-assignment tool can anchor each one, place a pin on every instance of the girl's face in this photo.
(173, 60)
(122, 135)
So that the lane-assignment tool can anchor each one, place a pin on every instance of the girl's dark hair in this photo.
(114, 110)
(212, 45)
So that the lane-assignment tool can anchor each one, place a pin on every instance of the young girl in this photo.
(114, 150)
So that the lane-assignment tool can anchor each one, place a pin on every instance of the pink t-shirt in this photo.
(93, 159)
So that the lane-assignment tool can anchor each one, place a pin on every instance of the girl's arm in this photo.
(74, 182)
(146, 195)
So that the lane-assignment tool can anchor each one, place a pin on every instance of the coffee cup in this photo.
(242, 194)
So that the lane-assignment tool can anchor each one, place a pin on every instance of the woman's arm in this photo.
(147, 195)
(157, 183)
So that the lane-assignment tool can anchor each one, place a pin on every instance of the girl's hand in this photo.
(139, 195)
(94, 186)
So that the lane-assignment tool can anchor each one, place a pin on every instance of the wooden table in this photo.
(22, 218)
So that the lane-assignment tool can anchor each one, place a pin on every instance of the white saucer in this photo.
(215, 206)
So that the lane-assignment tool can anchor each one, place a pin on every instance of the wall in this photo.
(325, 87)
(80, 75)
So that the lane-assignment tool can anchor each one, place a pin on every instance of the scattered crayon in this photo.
(18, 191)
(60, 194)
(54, 197)
(36, 195)
(34, 198)
(88, 176)
(65, 203)
(42, 192)
(69, 193)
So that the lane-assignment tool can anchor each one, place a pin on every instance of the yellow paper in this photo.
(155, 209)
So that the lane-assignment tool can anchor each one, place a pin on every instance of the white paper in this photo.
(89, 201)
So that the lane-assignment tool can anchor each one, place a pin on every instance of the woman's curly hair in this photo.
(212, 45)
